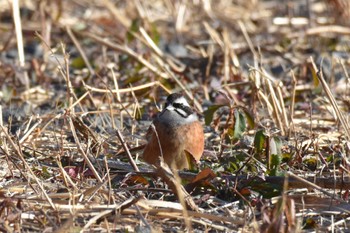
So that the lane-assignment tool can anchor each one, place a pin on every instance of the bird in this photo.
(176, 135)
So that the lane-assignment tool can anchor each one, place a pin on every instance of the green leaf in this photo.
(155, 34)
(276, 156)
(286, 157)
(315, 78)
(259, 141)
(275, 165)
(190, 160)
(132, 79)
(240, 125)
(46, 173)
(230, 133)
(311, 163)
(275, 146)
(78, 63)
(8, 92)
(139, 113)
(209, 113)
(135, 25)
(266, 189)
(310, 223)
(317, 85)
(249, 118)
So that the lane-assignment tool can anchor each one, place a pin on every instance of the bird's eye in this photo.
(177, 105)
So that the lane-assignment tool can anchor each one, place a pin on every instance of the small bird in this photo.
(177, 135)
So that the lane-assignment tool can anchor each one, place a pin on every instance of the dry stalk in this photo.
(92, 191)
(194, 214)
(55, 196)
(310, 184)
(116, 86)
(335, 29)
(151, 43)
(125, 90)
(66, 178)
(232, 95)
(80, 49)
(148, 207)
(247, 38)
(276, 106)
(64, 72)
(117, 208)
(227, 47)
(77, 101)
(19, 37)
(292, 106)
(210, 53)
(125, 21)
(215, 36)
(1, 116)
(126, 149)
(46, 28)
(164, 171)
(20, 155)
(341, 61)
(28, 124)
(26, 135)
(109, 181)
(161, 58)
(173, 181)
(343, 222)
(283, 107)
(180, 17)
(111, 112)
(80, 148)
(331, 98)
(125, 49)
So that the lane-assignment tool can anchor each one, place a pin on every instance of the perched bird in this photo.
(177, 135)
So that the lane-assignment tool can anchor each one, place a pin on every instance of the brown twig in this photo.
(126, 149)
(26, 165)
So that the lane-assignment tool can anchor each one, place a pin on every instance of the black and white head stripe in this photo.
(180, 105)
(183, 110)
(173, 98)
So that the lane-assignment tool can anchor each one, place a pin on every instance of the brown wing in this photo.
(194, 143)
(151, 151)
(161, 141)
(174, 142)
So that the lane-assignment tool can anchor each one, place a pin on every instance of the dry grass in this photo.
(81, 81)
